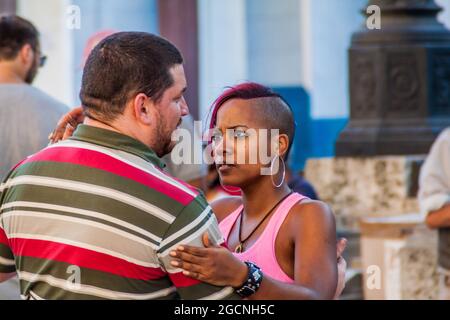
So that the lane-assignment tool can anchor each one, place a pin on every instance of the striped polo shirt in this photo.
(94, 217)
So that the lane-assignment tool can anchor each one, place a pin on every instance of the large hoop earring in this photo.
(272, 174)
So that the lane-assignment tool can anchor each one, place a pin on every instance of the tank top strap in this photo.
(226, 224)
(275, 221)
(281, 213)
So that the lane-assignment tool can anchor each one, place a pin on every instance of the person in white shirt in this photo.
(434, 201)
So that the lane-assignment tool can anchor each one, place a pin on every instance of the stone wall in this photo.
(358, 187)
(405, 253)
(375, 198)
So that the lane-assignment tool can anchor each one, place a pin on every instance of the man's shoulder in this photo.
(32, 96)
(445, 134)
(441, 145)
(46, 101)
(189, 195)
(176, 196)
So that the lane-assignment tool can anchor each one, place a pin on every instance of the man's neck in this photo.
(95, 123)
(8, 76)
(115, 126)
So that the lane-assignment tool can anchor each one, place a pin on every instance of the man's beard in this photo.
(31, 74)
(166, 144)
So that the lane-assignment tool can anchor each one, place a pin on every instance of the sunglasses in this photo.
(42, 60)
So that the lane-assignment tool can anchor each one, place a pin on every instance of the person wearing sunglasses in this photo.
(27, 114)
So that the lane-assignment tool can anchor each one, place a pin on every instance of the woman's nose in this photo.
(221, 150)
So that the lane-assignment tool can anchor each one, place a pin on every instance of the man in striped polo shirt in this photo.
(94, 217)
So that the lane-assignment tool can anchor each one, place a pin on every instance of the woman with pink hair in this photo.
(285, 238)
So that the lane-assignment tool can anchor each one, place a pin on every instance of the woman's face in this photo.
(242, 147)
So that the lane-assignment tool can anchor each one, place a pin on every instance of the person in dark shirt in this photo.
(299, 184)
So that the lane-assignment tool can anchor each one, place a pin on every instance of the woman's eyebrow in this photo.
(237, 126)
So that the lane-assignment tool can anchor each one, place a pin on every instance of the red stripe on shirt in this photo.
(180, 280)
(3, 238)
(184, 183)
(84, 258)
(98, 160)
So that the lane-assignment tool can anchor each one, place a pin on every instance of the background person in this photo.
(26, 113)
(434, 201)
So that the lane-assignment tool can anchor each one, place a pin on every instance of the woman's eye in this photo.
(216, 137)
(240, 134)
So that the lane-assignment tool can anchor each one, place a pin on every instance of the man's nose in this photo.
(184, 108)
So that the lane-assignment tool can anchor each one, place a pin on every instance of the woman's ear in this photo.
(283, 144)
(142, 107)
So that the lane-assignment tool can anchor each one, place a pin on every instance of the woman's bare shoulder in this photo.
(312, 212)
(224, 206)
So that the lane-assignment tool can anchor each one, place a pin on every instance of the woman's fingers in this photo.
(205, 239)
(340, 247)
(67, 124)
(207, 242)
(342, 267)
(197, 251)
(187, 266)
(58, 133)
(76, 114)
(194, 275)
(189, 270)
(187, 257)
(68, 132)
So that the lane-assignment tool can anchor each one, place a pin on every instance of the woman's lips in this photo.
(225, 167)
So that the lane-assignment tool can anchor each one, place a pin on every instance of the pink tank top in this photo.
(262, 252)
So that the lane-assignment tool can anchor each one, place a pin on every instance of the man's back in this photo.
(94, 217)
(27, 116)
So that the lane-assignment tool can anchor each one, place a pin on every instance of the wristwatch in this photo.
(253, 282)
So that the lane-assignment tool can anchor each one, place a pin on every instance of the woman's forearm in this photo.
(272, 289)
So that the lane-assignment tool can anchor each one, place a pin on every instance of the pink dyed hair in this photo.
(246, 91)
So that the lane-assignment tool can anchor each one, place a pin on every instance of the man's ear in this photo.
(143, 107)
(26, 54)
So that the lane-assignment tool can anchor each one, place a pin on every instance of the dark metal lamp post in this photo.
(399, 82)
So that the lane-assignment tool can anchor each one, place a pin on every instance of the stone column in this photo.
(399, 82)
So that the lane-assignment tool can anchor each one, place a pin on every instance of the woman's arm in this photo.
(313, 228)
